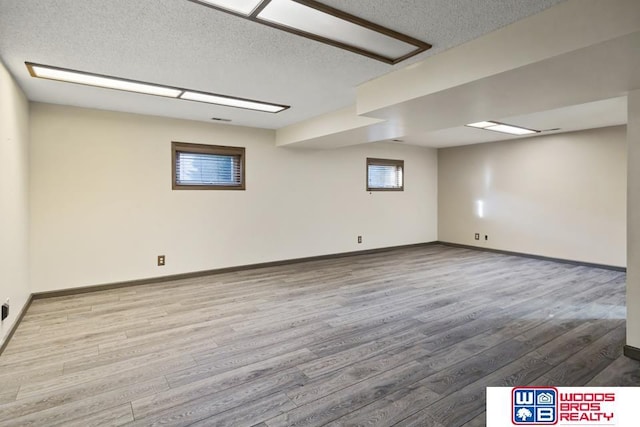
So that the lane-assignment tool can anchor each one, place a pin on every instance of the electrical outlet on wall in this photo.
(5, 310)
(359, 239)
(161, 260)
(477, 236)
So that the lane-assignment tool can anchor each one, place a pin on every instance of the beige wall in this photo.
(14, 199)
(560, 196)
(103, 208)
(633, 212)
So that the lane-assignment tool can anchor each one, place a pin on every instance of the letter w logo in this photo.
(524, 397)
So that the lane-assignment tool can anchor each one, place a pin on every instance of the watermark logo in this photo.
(534, 406)
(563, 406)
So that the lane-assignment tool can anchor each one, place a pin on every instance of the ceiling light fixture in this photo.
(110, 82)
(79, 77)
(503, 128)
(313, 20)
(244, 7)
(231, 102)
(481, 125)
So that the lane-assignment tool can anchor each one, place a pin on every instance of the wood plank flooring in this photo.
(409, 337)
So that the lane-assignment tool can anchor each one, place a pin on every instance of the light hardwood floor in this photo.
(409, 337)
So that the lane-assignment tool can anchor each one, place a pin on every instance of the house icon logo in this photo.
(545, 398)
(534, 406)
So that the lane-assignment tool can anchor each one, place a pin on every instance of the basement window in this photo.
(385, 175)
(207, 167)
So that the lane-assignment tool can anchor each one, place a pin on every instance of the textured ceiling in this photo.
(179, 43)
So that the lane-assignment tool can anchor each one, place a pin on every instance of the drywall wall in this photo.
(103, 208)
(633, 213)
(14, 199)
(560, 196)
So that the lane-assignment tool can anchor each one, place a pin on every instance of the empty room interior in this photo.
(306, 213)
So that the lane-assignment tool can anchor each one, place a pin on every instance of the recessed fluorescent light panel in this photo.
(503, 128)
(325, 24)
(71, 76)
(109, 82)
(481, 125)
(513, 130)
(231, 102)
(315, 22)
(243, 7)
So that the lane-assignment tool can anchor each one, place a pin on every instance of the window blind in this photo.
(385, 174)
(207, 169)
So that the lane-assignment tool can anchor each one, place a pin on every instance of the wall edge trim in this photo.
(533, 256)
(15, 325)
(201, 273)
(632, 352)
(629, 351)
